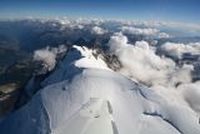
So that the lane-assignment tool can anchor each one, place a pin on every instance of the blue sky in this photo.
(171, 10)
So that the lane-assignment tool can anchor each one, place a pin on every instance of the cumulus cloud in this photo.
(182, 75)
(163, 35)
(140, 31)
(140, 61)
(191, 95)
(177, 50)
(48, 56)
(152, 32)
(98, 30)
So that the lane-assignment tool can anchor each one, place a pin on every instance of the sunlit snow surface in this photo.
(83, 98)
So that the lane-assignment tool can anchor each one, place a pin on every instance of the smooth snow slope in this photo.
(98, 101)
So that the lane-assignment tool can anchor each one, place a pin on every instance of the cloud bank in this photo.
(177, 50)
(141, 63)
(98, 30)
(152, 32)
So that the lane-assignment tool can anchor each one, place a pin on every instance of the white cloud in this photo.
(191, 95)
(163, 35)
(139, 61)
(117, 41)
(178, 49)
(48, 56)
(140, 31)
(152, 32)
(98, 30)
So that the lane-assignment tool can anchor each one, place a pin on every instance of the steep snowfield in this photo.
(83, 98)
